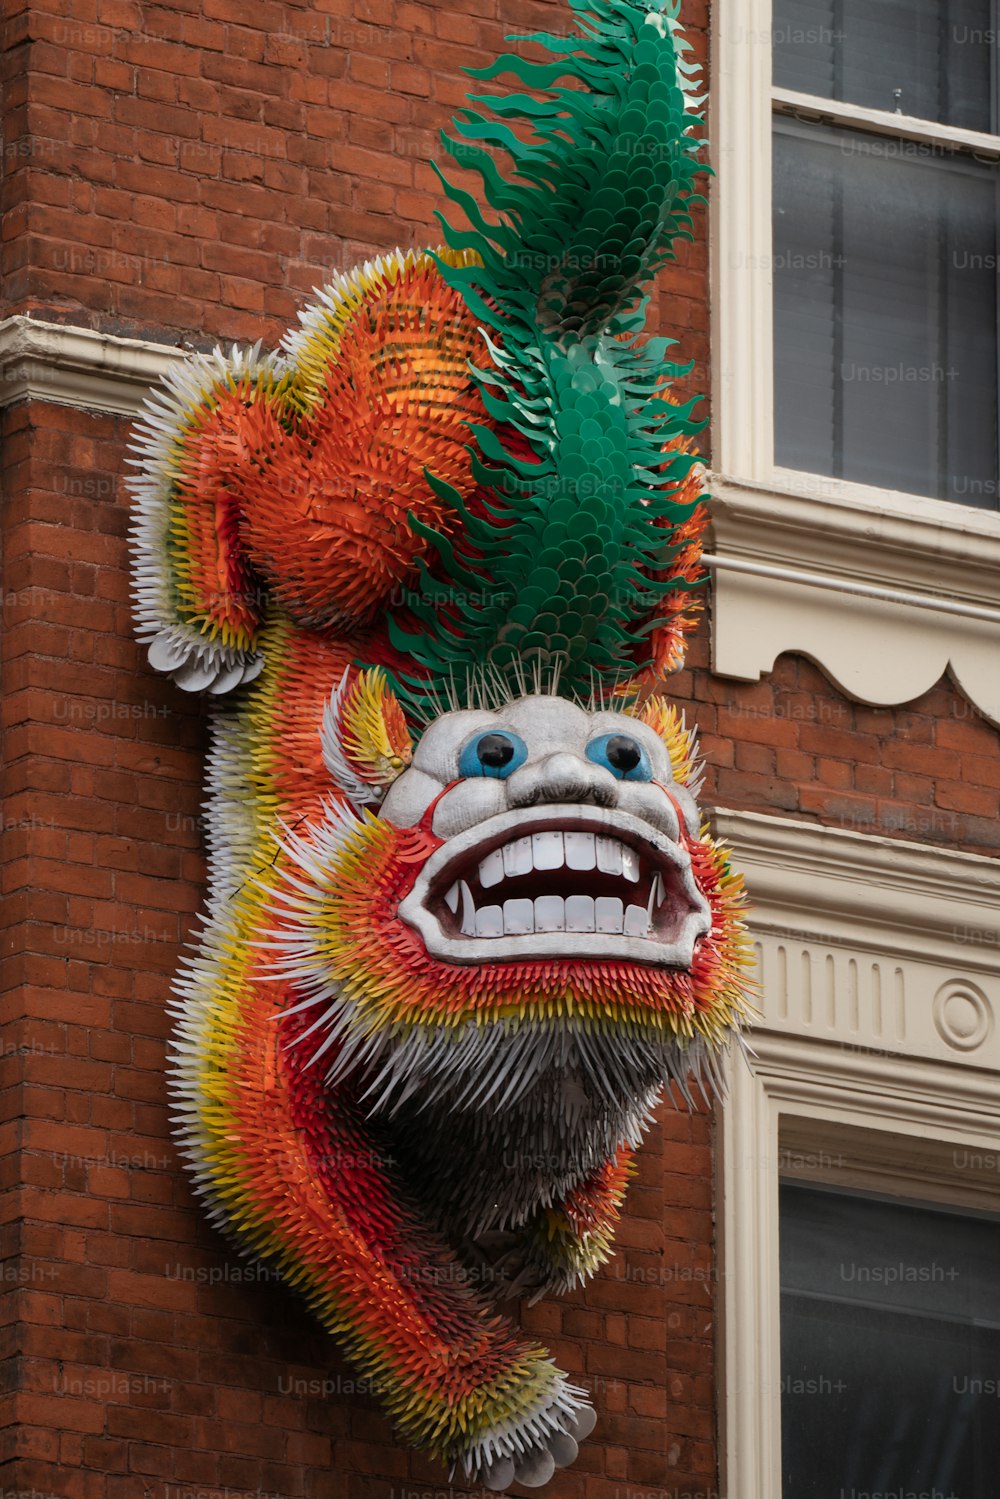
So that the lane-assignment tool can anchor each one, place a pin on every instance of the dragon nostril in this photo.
(562, 777)
(603, 793)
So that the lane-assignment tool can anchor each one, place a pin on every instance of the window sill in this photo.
(876, 651)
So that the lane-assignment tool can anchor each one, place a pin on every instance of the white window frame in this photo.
(790, 545)
(878, 962)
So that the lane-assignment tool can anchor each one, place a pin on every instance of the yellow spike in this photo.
(664, 719)
(375, 735)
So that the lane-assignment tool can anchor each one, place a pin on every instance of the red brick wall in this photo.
(792, 745)
(189, 172)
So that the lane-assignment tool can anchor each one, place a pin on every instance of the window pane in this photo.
(890, 1348)
(937, 53)
(885, 312)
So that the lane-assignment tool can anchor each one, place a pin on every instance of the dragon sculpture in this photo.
(431, 560)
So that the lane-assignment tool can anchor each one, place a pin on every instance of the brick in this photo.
(193, 170)
(758, 758)
(964, 731)
(759, 726)
(978, 800)
(873, 778)
(902, 755)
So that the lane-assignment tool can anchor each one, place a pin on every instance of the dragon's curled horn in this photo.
(583, 527)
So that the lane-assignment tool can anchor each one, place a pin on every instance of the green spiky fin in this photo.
(570, 535)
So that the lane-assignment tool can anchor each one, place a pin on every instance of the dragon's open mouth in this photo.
(559, 882)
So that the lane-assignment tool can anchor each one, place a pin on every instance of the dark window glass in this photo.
(929, 58)
(885, 312)
(890, 1348)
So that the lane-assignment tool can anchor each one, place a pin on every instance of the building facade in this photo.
(180, 175)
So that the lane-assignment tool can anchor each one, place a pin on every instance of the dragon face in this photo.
(534, 896)
(561, 839)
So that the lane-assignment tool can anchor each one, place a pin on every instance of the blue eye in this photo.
(622, 755)
(495, 753)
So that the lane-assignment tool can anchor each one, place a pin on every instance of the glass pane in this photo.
(885, 312)
(930, 58)
(890, 1348)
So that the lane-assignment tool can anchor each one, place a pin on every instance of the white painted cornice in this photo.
(877, 651)
(876, 536)
(837, 886)
(831, 888)
(70, 366)
(877, 943)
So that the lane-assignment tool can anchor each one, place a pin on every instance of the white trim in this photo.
(881, 537)
(879, 961)
(773, 545)
(788, 1089)
(68, 366)
(934, 602)
(813, 883)
(875, 650)
(740, 153)
(884, 122)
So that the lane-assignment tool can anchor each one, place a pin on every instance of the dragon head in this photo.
(554, 823)
(536, 871)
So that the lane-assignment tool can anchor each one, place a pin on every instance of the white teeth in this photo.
(554, 850)
(609, 855)
(551, 850)
(517, 857)
(636, 922)
(518, 917)
(489, 922)
(547, 850)
(609, 913)
(468, 912)
(550, 914)
(579, 913)
(580, 850)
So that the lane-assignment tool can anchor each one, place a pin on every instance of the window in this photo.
(890, 1345)
(862, 1139)
(885, 246)
(855, 307)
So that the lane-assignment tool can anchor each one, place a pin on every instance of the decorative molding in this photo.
(878, 946)
(875, 1063)
(68, 366)
(923, 547)
(874, 535)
